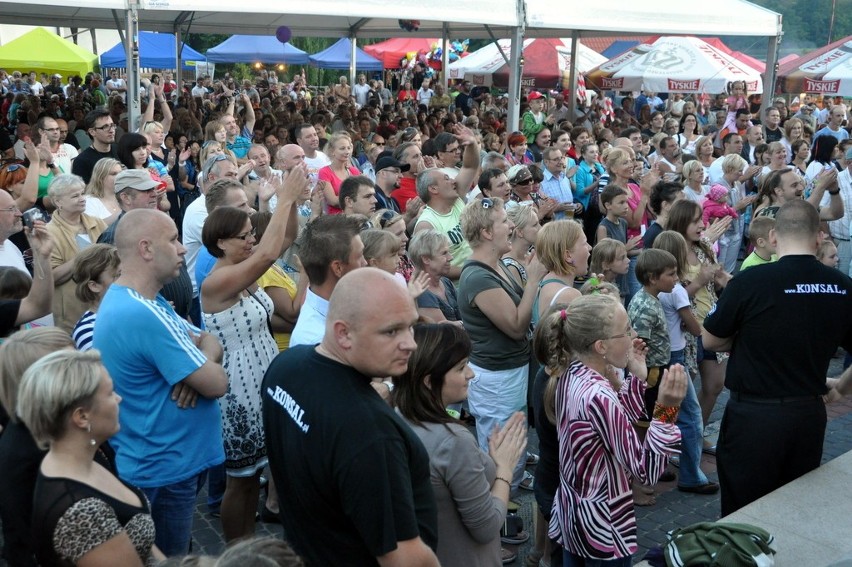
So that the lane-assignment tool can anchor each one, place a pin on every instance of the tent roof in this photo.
(660, 17)
(338, 56)
(156, 51)
(390, 51)
(340, 18)
(45, 52)
(827, 70)
(251, 48)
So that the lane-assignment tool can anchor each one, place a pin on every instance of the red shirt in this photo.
(407, 191)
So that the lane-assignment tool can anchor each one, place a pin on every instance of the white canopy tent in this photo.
(481, 65)
(373, 18)
(674, 64)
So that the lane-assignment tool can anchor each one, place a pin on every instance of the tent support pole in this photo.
(516, 68)
(94, 40)
(131, 49)
(769, 75)
(572, 74)
(497, 43)
(178, 48)
(445, 54)
(353, 53)
(119, 27)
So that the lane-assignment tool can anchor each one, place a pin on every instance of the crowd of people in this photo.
(372, 297)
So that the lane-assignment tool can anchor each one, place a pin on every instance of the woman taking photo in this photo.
(238, 313)
(100, 192)
(339, 150)
(596, 406)
(496, 312)
(471, 485)
(82, 513)
(72, 230)
(430, 253)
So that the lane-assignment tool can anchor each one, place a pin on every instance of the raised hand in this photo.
(418, 285)
(672, 386)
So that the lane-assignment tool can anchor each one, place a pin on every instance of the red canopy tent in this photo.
(545, 62)
(391, 51)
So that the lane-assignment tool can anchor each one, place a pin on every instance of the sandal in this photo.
(528, 482)
(507, 556)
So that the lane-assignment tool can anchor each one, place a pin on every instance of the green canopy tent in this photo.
(45, 52)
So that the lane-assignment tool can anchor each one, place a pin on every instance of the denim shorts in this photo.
(704, 354)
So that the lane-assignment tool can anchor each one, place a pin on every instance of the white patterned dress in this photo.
(243, 330)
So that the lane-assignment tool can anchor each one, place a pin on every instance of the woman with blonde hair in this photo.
(339, 150)
(100, 191)
(496, 312)
(598, 397)
(81, 510)
(562, 248)
(20, 457)
(523, 237)
(694, 187)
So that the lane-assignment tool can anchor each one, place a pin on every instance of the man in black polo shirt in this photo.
(782, 323)
(353, 479)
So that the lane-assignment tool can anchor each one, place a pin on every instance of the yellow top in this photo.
(276, 277)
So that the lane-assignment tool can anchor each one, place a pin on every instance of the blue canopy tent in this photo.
(256, 48)
(156, 51)
(338, 56)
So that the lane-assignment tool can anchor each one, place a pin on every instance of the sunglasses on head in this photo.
(14, 167)
(487, 203)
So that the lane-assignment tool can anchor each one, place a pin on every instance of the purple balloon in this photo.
(283, 34)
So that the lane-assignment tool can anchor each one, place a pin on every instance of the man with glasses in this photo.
(448, 150)
(101, 130)
(556, 185)
(62, 154)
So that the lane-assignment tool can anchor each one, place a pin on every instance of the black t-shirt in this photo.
(772, 135)
(787, 319)
(547, 470)
(463, 101)
(352, 477)
(84, 163)
(20, 459)
(8, 315)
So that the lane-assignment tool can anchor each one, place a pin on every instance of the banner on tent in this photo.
(204, 68)
(823, 87)
(820, 64)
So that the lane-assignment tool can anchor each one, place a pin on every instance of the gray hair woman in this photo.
(72, 230)
(496, 312)
(79, 507)
(429, 250)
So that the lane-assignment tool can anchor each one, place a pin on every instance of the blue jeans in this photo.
(172, 508)
(216, 479)
(571, 560)
(692, 432)
(633, 285)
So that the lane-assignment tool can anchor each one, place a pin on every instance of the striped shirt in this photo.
(598, 453)
(84, 330)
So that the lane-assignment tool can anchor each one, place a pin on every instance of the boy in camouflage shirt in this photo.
(656, 270)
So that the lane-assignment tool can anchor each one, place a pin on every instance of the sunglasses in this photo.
(487, 203)
(244, 236)
(386, 217)
(14, 167)
(527, 181)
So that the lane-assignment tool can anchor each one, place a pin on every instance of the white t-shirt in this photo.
(672, 302)
(193, 222)
(63, 157)
(116, 84)
(424, 95)
(37, 88)
(319, 161)
(361, 91)
(10, 256)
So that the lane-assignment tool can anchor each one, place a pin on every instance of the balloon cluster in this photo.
(458, 49)
(409, 25)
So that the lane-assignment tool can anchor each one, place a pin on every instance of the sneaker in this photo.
(532, 459)
(528, 482)
(507, 556)
(521, 537)
(675, 461)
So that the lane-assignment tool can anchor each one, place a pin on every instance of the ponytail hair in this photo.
(564, 333)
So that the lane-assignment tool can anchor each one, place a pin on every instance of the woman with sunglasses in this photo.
(22, 182)
(238, 313)
(496, 311)
(525, 181)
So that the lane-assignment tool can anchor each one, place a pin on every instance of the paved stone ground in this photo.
(673, 508)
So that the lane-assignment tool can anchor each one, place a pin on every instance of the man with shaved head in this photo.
(353, 479)
(168, 373)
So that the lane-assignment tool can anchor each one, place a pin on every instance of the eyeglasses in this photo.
(51, 129)
(13, 209)
(629, 333)
(457, 149)
(487, 203)
(105, 127)
(244, 236)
